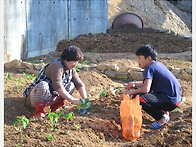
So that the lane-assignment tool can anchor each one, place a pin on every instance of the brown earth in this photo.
(102, 127)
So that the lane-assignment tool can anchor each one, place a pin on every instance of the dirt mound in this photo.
(96, 83)
(155, 14)
(125, 42)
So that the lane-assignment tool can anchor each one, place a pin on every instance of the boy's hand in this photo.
(130, 85)
(129, 92)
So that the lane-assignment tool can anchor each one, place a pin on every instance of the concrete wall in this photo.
(87, 17)
(34, 27)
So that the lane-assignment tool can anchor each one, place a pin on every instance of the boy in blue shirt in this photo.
(159, 92)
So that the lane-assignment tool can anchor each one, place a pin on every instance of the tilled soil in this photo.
(102, 127)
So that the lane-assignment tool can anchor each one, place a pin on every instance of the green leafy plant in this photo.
(103, 93)
(85, 105)
(78, 67)
(29, 77)
(21, 123)
(53, 118)
(18, 84)
(85, 63)
(177, 110)
(75, 127)
(69, 116)
(61, 113)
(50, 137)
(8, 78)
(100, 140)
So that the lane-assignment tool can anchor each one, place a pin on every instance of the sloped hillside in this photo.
(154, 13)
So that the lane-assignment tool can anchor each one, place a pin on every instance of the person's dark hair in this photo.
(147, 50)
(72, 53)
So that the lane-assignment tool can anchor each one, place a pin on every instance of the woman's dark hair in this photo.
(147, 50)
(72, 53)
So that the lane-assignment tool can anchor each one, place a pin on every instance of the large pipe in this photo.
(127, 20)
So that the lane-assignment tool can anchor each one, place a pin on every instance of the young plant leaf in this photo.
(50, 137)
(79, 107)
(69, 115)
(61, 113)
(76, 127)
(84, 107)
(53, 118)
(86, 100)
(81, 101)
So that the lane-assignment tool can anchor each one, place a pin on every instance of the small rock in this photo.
(32, 71)
(110, 73)
(28, 65)
(186, 76)
(122, 75)
(136, 69)
(113, 67)
(136, 75)
(93, 65)
(102, 67)
(176, 70)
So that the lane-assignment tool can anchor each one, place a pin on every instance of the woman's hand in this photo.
(76, 101)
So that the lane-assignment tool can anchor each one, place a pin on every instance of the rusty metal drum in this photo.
(126, 21)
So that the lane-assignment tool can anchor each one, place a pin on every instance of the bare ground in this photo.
(102, 127)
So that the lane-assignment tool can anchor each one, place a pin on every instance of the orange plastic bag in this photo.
(131, 117)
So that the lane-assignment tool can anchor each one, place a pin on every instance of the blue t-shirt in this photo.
(163, 82)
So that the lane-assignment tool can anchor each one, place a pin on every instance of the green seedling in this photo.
(85, 63)
(69, 115)
(8, 78)
(103, 93)
(78, 67)
(101, 141)
(85, 105)
(53, 118)
(61, 113)
(18, 84)
(177, 110)
(29, 77)
(21, 123)
(50, 137)
(76, 127)
(187, 103)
